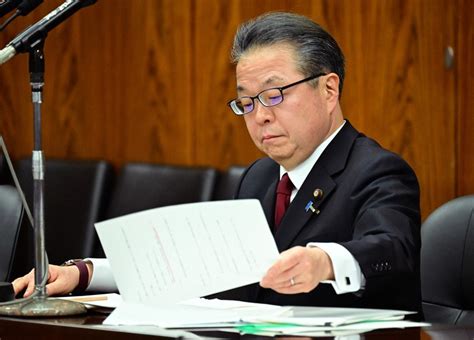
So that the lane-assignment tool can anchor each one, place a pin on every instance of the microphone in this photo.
(7, 6)
(24, 8)
(38, 31)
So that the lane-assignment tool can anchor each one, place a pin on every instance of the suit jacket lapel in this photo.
(298, 214)
(332, 161)
(268, 203)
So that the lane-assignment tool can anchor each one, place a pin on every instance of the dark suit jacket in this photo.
(370, 205)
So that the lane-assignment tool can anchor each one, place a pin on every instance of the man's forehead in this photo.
(268, 81)
(265, 66)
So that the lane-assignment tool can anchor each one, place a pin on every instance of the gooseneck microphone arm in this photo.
(24, 41)
(24, 7)
(8, 6)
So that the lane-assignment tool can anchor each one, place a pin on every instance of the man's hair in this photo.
(316, 49)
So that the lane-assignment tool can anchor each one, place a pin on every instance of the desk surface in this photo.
(86, 328)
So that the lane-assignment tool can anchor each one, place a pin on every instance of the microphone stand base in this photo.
(43, 307)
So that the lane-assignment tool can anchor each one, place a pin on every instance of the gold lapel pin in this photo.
(318, 194)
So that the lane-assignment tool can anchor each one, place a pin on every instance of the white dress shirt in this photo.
(102, 279)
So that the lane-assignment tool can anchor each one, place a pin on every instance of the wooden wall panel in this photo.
(116, 80)
(222, 139)
(148, 80)
(397, 89)
(464, 64)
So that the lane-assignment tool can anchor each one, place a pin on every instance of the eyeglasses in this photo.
(268, 97)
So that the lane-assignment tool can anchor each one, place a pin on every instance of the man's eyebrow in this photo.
(272, 79)
(267, 82)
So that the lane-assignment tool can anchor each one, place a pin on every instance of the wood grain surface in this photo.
(148, 80)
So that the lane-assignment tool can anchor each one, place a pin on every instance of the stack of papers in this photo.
(164, 259)
(246, 318)
(189, 315)
(316, 321)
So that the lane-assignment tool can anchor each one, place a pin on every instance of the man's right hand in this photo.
(61, 281)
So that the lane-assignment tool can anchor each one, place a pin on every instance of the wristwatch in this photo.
(83, 274)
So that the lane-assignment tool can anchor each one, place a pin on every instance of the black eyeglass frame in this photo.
(281, 89)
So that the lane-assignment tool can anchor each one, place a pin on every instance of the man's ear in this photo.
(331, 88)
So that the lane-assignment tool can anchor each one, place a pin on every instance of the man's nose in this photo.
(263, 114)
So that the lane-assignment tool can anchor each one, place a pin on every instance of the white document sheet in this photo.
(189, 315)
(343, 332)
(352, 328)
(331, 316)
(171, 254)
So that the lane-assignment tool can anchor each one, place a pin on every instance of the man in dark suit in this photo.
(344, 211)
(350, 236)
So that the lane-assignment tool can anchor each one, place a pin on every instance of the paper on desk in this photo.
(187, 316)
(331, 316)
(230, 304)
(271, 329)
(175, 253)
(149, 330)
(361, 326)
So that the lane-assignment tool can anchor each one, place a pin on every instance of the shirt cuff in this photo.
(102, 279)
(347, 273)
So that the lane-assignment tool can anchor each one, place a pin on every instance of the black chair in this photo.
(75, 196)
(447, 263)
(5, 177)
(142, 186)
(227, 183)
(2, 168)
(11, 212)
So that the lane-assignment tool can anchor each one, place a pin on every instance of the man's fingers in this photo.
(289, 258)
(53, 288)
(299, 284)
(302, 272)
(287, 261)
(281, 280)
(63, 280)
(23, 282)
(30, 289)
(58, 287)
(286, 267)
(19, 284)
(26, 283)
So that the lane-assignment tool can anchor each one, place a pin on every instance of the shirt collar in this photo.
(299, 174)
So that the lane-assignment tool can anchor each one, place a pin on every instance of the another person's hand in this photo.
(298, 270)
(61, 281)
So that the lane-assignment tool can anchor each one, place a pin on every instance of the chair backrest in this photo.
(227, 183)
(143, 186)
(2, 168)
(5, 177)
(75, 194)
(447, 263)
(11, 212)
